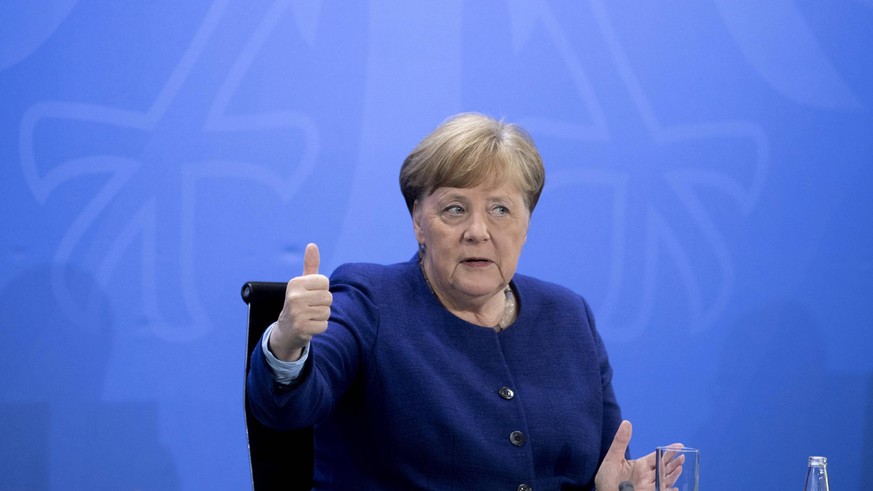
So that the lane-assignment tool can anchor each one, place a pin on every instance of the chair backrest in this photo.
(279, 459)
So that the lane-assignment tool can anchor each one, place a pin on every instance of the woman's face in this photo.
(473, 239)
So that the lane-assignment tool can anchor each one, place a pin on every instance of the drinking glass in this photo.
(666, 461)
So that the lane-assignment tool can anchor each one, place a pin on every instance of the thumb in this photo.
(618, 449)
(310, 259)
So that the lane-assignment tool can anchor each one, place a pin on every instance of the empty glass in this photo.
(677, 468)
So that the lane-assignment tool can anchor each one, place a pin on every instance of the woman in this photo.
(449, 371)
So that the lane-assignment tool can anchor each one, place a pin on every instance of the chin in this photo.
(480, 289)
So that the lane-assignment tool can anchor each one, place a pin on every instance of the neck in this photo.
(496, 312)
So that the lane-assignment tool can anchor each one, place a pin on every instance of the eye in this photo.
(500, 210)
(454, 210)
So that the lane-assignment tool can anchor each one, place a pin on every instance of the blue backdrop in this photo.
(709, 172)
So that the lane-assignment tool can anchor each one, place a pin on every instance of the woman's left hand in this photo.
(615, 469)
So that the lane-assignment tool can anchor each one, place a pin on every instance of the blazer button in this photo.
(506, 393)
(517, 438)
(524, 487)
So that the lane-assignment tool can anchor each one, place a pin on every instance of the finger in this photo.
(674, 463)
(668, 456)
(322, 299)
(649, 461)
(673, 469)
(674, 474)
(619, 444)
(307, 290)
(310, 282)
(311, 259)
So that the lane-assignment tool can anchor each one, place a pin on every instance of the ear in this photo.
(416, 221)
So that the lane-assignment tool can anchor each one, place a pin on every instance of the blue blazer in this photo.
(404, 395)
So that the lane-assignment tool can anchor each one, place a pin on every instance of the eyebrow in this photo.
(454, 195)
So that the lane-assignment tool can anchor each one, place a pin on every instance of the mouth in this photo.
(476, 262)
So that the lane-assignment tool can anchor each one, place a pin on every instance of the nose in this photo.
(477, 229)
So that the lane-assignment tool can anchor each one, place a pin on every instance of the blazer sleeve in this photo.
(335, 359)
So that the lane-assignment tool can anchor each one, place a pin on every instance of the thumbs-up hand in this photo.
(306, 309)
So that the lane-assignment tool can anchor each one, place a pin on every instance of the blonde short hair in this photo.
(467, 149)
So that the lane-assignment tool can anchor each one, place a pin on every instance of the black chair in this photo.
(279, 459)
